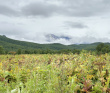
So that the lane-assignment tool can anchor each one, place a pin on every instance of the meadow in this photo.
(55, 73)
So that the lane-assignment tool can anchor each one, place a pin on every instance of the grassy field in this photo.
(84, 73)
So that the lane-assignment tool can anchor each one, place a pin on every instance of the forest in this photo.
(8, 46)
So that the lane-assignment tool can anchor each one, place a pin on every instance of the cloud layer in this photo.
(76, 8)
(84, 21)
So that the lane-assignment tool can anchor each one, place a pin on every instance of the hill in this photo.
(11, 44)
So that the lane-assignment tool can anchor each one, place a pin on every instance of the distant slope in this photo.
(85, 46)
(10, 44)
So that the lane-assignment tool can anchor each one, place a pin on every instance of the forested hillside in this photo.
(11, 45)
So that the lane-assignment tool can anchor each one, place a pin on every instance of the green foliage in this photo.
(102, 48)
(19, 51)
(14, 45)
(1, 50)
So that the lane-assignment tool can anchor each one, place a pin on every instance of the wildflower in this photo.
(28, 70)
(89, 77)
(0, 65)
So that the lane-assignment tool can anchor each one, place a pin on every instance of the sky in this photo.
(83, 21)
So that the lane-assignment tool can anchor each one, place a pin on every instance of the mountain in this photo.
(11, 44)
(52, 37)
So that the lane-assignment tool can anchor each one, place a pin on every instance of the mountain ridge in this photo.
(11, 44)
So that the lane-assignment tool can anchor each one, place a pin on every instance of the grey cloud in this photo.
(86, 40)
(78, 40)
(41, 9)
(75, 25)
(5, 10)
(7, 28)
(86, 8)
(11, 32)
(75, 8)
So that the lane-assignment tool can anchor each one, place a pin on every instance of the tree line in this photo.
(39, 51)
(100, 49)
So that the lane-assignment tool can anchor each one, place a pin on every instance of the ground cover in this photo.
(72, 73)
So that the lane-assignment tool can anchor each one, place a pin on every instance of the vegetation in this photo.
(53, 68)
(102, 49)
(58, 73)
(1, 50)
(14, 45)
(21, 47)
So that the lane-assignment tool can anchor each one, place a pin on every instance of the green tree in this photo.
(19, 51)
(102, 48)
(27, 52)
(1, 50)
(76, 51)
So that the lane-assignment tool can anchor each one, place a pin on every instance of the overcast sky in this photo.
(84, 21)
